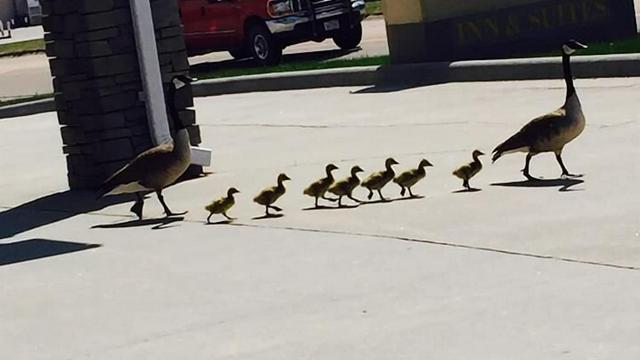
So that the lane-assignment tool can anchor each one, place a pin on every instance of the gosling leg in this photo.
(354, 199)
(167, 211)
(370, 194)
(209, 218)
(227, 216)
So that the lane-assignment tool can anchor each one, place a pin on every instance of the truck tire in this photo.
(262, 46)
(349, 39)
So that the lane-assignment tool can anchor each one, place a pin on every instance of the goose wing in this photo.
(146, 164)
(536, 130)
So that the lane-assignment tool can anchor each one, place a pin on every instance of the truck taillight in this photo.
(279, 8)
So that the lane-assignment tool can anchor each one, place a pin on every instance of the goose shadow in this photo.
(464, 191)
(157, 224)
(270, 216)
(564, 184)
(320, 208)
(221, 222)
(405, 198)
(379, 201)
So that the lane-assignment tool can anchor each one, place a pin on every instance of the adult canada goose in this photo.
(320, 187)
(467, 171)
(222, 205)
(345, 187)
(378, 180)
(410, 177)
(270, 195)
(550, 132)
(156, 168)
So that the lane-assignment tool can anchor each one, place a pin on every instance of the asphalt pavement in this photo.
(517, 270)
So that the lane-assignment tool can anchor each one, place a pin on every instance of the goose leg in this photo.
(381, 197)
(275, 208)
(410, 193)
(209, 218)
(465, 184)
(526, 168)
(354, 199)
(167, 211)
(227, 216)
(565, 172)
(402, 190)
(370, 194)
(137, 206)
(266, 210)
(340, 201)
(316, 202)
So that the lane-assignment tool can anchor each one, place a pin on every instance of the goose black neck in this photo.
(568, 75)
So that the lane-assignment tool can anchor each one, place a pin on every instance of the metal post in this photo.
(152, 80)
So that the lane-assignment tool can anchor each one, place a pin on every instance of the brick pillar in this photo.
(97, 83)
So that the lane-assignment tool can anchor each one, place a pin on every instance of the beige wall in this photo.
(412, 11)
(398, 12)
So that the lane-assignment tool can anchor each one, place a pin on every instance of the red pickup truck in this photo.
(263, 28)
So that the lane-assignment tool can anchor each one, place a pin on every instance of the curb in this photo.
(595, 66)
(27, 108)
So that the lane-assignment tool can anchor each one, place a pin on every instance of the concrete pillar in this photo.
(98, 89)
(444, 30)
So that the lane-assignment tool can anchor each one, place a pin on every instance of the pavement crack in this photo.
(449, 244)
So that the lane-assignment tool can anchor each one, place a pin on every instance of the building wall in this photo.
(7, 10)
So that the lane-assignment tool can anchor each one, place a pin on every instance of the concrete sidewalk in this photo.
(515, 271)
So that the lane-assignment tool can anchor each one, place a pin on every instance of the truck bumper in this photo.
(293, 23)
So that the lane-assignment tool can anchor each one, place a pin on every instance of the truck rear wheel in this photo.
(349, 39)
(262, 46)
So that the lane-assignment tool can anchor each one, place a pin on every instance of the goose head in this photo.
(282, 178)
(390, 162)
(424, 163)
(329, 168)
(477, 153)
(571, 46)
(232, 191)
(356, 169)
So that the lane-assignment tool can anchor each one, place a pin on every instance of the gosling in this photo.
(270, 195)
(378, 180)
(467, 171)
(410, 177)
(346, 186)
(222, 205)
(319, 188)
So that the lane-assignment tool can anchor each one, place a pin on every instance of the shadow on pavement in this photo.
(323, 55)
(270, 216)
(159, 223)
(51, 209)
(563, 184)
(34, 249)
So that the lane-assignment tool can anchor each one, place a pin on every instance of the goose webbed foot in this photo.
(569, 175)
(167, 211)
